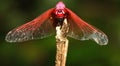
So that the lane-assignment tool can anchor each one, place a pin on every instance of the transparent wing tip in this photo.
(10, 37)
(16, 36)
(20, 36)
(100, 38)
(7, 38)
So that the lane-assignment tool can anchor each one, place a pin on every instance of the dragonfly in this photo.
(44, 26)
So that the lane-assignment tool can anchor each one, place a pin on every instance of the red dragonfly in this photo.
(44, 25)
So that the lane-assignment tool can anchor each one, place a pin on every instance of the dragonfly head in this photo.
(60, 5)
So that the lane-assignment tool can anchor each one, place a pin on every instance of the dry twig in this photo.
(61, 43)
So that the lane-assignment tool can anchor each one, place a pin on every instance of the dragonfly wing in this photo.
(40, 27)
(84, 31)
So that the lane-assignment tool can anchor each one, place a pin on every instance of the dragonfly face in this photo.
(59, 13)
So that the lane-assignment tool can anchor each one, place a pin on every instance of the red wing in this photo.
(37, 28)
(81, 30)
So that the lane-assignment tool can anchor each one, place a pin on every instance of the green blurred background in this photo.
(104, 14)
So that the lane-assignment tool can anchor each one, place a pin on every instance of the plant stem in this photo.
(61, 43)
